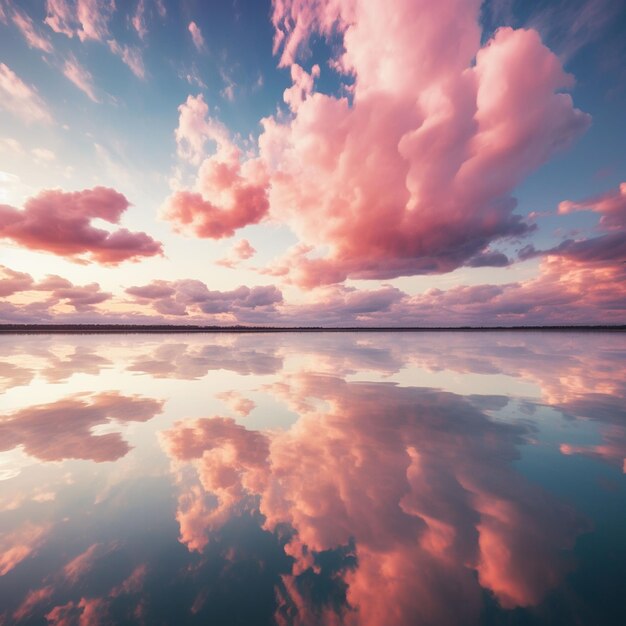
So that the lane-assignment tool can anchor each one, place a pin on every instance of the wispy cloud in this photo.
(20, 99)
(570, 26)
(81, 77)
(33, 37)
(130, 55)
(138, 20)
(85, 19)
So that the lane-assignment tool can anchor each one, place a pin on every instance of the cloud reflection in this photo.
(189, 361)
(63, 429)
(421, 482)
(415, 500)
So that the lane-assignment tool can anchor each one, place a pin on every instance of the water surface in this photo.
(362, 479)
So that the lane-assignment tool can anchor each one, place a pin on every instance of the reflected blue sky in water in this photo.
(435, 478)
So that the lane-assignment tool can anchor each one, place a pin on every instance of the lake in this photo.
(355, 478)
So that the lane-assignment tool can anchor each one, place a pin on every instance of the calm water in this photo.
(363, 479)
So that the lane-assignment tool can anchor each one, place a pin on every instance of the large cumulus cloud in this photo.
(411, 170)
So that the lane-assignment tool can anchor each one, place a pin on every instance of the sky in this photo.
(313, 162)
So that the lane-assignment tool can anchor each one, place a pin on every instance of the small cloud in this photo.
(21, 100)
(81, 78)
(138, 20)
(228, 92)
(11, 146)
(87, 20)
(192, 76)
(130, 55)
(160, 6)
(258, 84)
(196, 36)
(241, 251)
(236, 402)
(33, 37)
(43, 155)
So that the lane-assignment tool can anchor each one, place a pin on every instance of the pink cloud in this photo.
(133, 583)
(413, 172)
(89, 20)
(341, 306)
(31, 601)
(241, 251)
(591, 267)
(85, 612)
(160, 6)
(229, 194)
(81, 77)
(425, 490)
(63, 429)
(54, 289)
(553, 297)
(611, 206)
(186, 362)
(235, 401)
(54, 368)
(415, 217)
(186, 297)
(13, 376)
(81, 298)
(191, 213)
(130, 55)
(138, 20)
(85, 19)
(13, 282)
(606, 248)
(232, 462)
(154, 291)
(27, 28)
(70, 580)
(82, 360)
(94, 16)
(18, 98)
(18, 545)
(295, 20)
(603, 402)
(60, 222)
(196, 36)
(60, 16)
(76, 569)
(195, 128)
(613, 451)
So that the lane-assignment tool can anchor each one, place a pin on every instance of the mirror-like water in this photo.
(363, 479)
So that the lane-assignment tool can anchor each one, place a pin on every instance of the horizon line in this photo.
(196, 328)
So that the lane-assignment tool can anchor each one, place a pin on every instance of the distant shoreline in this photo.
(20, 329)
